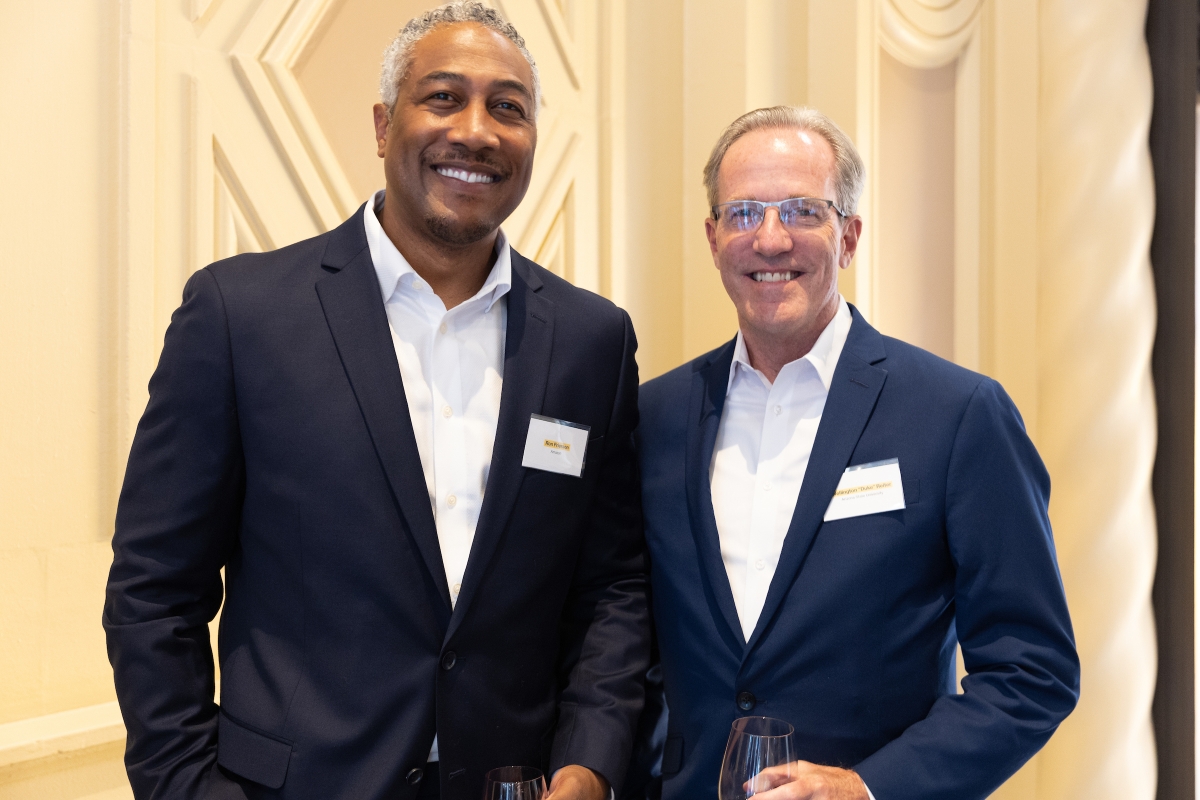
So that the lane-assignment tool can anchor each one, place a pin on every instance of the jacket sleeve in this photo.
(606, 627)
(1010, 615)
(176, 525)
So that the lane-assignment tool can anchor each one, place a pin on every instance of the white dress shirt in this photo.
(763, 443)
(452, 365)
(764, 439)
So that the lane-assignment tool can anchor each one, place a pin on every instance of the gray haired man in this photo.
(411, 451)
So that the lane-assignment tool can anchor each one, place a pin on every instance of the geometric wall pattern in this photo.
(233, 125)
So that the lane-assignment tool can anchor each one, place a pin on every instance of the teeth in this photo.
(466, 177)
(773, 277)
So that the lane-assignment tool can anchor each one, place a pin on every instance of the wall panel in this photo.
(914, 233)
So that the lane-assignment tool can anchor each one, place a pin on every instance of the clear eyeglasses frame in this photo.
(799, 213)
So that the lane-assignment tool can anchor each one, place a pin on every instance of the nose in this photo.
(772, 238)
(473, 127)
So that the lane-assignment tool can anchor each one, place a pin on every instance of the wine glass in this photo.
(756, 743)
(514, 783)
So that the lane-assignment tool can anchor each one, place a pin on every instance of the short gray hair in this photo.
(850, 175)
(397, 58)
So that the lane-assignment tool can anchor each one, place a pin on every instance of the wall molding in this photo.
(922, 36)
(57, 734)
(927, 36)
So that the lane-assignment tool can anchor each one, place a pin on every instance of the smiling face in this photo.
(458, 150)
(782, 281)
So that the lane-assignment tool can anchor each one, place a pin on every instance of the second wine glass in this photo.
(514, 783)
(756, 744)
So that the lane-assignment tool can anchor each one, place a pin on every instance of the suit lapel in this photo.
(852, 394)
(709, 384)
(354, 311)
(527, 346)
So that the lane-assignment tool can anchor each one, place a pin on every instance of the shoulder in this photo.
(588, 328)
(672, 389)
(915, 367)
(271, 270)
(941, 386)
(577, 306)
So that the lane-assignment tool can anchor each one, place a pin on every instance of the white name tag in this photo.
(867, 489)
(555, 446)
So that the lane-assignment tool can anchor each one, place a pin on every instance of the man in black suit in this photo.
(410, 449)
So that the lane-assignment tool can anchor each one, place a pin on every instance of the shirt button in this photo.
(778, 410)
(452, 501)
(767, 486)
(442, 329)
(457, 588)
(760, 564)
(746, 701)
(447, 412)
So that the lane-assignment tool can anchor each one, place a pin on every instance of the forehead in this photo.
(777, 161)
(471, 50)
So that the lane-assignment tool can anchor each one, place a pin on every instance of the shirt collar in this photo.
(393, 269)
(823, 355)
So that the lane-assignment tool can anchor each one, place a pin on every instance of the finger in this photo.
(769, 779)
(792, 790)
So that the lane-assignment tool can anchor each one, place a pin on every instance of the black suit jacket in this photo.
(277, 446)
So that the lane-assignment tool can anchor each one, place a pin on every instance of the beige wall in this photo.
(147, 137)
(58, 84)
(55, 487)
(915, 228)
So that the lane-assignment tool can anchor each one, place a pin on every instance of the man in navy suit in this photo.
(829, 511)
(380, 435)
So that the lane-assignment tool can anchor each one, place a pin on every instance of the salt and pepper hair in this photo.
(398, 56)
(850, 174)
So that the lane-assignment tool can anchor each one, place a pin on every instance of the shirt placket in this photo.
(762, 515)
(449, 448)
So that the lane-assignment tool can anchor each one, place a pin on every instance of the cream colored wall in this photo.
(340, 76)
(915, 227)
(58, 86)
(151, 136)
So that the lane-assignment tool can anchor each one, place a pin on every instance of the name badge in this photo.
(867, 489)
(555, 445)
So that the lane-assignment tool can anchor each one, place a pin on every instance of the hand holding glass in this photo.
(757, 744)
(514, 783)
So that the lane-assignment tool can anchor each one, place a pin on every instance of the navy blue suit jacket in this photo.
(277, 445)
(855, 646)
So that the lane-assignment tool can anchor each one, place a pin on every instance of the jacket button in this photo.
(746, 701)
(449, 659)
(414, 776)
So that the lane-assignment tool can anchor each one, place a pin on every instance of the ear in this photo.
(710, 231)
(851, 230)
(381, 128)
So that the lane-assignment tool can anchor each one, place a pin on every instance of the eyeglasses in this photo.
(800, 213)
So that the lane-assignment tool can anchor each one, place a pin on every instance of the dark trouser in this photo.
(431, 783)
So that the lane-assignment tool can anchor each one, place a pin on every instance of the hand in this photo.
(574, 782)
(811, 782)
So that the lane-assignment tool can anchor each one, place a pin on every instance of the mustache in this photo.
(468, 158)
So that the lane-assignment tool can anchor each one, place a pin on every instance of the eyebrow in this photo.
(458, 77)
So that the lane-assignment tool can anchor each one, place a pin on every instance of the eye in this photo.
(510, 108)
(441, 98)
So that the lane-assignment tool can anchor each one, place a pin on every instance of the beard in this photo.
(447, 228)
(458, 234)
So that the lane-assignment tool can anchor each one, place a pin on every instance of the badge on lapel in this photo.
(554, 445)
(867, 489)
